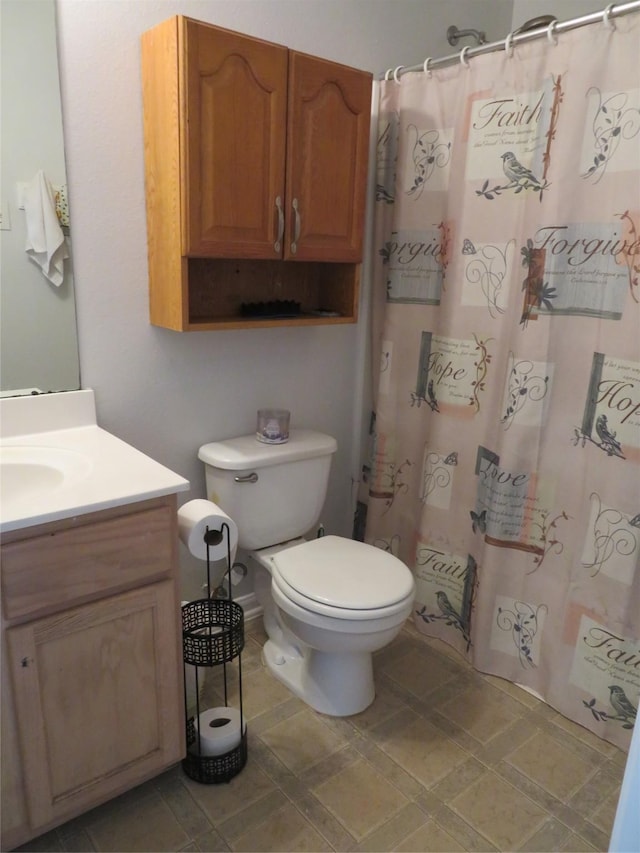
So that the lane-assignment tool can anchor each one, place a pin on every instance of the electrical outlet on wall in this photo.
(5, 216)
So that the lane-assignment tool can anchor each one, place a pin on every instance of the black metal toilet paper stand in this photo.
(213, 636)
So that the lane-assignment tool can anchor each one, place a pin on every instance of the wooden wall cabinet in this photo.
(255, 156)
(92, 694)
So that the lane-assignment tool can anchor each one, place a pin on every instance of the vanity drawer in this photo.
(68, 565)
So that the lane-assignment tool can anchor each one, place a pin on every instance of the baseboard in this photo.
(249, 603)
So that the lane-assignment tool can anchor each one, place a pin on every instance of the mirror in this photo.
(38, 339)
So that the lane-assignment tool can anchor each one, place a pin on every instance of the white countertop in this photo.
(111, 473)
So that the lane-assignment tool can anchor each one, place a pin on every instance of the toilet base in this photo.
(337, 684)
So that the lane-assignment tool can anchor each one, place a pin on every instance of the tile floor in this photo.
(445, 759)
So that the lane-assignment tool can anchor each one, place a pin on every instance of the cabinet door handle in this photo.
(296, 227)
(278, 243)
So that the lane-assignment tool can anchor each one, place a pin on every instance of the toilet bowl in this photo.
(334, 602)
(328, 603)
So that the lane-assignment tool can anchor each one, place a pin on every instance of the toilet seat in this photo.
(342, 578)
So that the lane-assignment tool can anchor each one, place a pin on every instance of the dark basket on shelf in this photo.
(212, 631)
(213, 768)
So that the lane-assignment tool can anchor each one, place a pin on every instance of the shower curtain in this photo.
(505, 437)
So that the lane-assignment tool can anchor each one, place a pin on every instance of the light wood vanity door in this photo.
(13, 809)
(236, 100)
(328, 120)
(98, 697)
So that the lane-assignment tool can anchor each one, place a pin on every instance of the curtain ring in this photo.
(551, 35)
(388, 73)
(463, 57)
(508, 46)
(425, 66)
(605, 17)
(396, 73)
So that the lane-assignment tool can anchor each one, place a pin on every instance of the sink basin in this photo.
(27, 471)
(56, 463)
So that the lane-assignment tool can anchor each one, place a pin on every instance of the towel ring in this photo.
(508, 45)
(551, 34)
(396, 73)
(388, 73)
(425, 66)
(463, 57)
(605, 17)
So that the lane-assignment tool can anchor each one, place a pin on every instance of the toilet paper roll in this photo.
(193, 519)
(219, 731)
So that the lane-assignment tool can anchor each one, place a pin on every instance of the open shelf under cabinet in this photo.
(218, 288)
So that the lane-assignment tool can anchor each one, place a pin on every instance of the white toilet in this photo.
(328, 602)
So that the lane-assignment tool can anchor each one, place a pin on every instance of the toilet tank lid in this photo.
(238, 454)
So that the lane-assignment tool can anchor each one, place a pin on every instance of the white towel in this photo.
(46, 244)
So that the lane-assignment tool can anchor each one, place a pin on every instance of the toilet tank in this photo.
(273, 492)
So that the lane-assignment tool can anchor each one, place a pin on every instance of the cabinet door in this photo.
(98, 699)
(234, 137)
(15, 825)
(329, 114)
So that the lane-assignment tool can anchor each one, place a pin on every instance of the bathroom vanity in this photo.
(92, 693)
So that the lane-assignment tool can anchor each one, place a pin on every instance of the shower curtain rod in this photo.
(611, 11)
